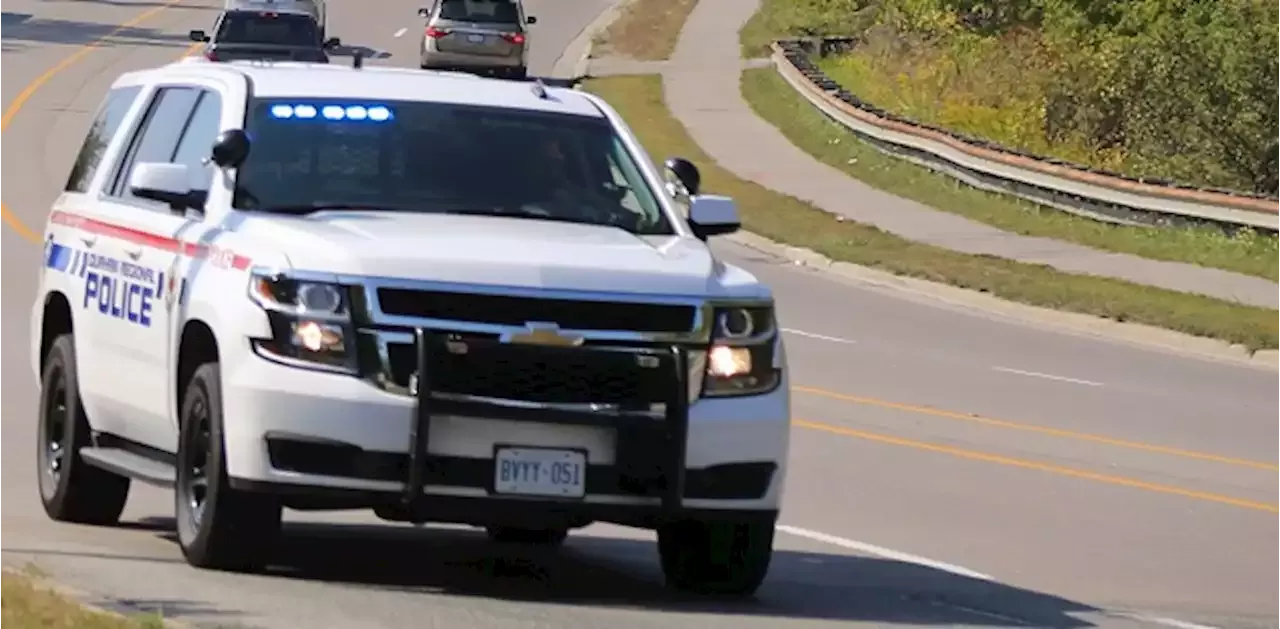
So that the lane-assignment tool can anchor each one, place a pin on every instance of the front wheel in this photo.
(218, 527)
(719, 558)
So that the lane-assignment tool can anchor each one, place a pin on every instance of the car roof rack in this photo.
(357, 58)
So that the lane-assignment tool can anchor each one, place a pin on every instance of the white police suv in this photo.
(441, 297)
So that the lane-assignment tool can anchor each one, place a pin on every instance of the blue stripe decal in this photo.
(59, 257)
(160, 286)
(84, 263)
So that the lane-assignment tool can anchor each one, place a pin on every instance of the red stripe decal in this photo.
(219, 257)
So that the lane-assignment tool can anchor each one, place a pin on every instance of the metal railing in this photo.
(1055, 183)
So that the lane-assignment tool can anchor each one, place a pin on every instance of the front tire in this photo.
(533, 537)
(218, 527)
(71, 490)
(718, 558)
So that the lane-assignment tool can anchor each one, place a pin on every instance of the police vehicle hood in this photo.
(494, 251)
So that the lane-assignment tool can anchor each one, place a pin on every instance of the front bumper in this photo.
(332, 441)
(435, 59)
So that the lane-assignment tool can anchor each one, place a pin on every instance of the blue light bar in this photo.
(355, 113)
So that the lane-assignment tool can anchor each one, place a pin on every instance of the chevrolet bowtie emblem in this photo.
(536, 333)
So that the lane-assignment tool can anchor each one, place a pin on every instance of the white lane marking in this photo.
(401, 32)
(889, 553)
(823, 337)
(1160, 620)
(1047, 376)
(882, 552)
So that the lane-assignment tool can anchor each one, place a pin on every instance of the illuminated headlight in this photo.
(741, 358)
(310, 322)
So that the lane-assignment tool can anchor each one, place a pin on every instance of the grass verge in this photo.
(640, 100)
(645, 30)
(28, 605)
(1249, 252)
(755, 36)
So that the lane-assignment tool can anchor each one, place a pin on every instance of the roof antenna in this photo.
(357, 59)
(539, 89)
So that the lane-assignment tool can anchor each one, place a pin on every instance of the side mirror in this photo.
(532, 19)
(424, 12)
(713, 215)
(332, 42)
(197, 35)
(231, 148)
(685, 173)
(163, 182)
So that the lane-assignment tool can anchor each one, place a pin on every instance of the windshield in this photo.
(433, 157)
(490, 11)
(255, 27)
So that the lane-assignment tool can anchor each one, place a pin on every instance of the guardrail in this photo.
(1052, 182)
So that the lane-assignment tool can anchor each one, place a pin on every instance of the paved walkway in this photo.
(701, 83)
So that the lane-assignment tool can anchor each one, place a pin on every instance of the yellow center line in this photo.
(31, 88)
(1042, 467)
(1044, 430)
(27, 92)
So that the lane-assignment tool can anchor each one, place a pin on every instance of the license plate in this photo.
(540, 472)
(475, 39)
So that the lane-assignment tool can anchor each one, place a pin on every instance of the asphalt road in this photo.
(949, 468)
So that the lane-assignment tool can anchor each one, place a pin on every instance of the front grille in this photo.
(536, 374)
(569, 314)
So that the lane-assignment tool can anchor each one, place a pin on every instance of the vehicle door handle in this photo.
(88, 241)
(133, 254)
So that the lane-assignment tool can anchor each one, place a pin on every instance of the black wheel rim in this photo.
(55, 428)
(196, 486)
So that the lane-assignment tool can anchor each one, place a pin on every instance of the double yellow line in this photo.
(1028, 464)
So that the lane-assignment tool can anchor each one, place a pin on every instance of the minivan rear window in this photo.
(487, 11)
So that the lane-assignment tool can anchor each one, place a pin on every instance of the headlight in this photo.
(310, 322)
(740, 359)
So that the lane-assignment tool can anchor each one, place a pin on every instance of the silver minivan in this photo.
(480, 36)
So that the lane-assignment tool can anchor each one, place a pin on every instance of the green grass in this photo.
(1248, 252)
(28, 605)
(645, 30)
(640, 100)
(756, 35)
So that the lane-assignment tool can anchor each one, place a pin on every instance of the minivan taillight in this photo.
(436, 33)
(513, 38)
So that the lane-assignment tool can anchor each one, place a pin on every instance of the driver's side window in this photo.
(157, 136)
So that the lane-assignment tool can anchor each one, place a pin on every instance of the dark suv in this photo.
(281, 35)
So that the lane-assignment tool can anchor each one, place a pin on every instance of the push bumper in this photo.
(330, 441)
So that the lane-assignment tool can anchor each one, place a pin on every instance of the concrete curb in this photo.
(571, 65)
(1082, 324)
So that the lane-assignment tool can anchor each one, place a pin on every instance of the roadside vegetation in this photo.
(1247, 251)
(1180, 90)
(29, 605)
(640, 100)
(645, 30)
(1102, 84)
